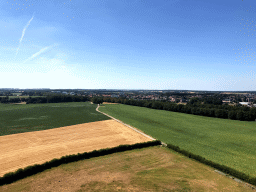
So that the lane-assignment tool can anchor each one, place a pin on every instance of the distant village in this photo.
(177, 96)
(247, 99)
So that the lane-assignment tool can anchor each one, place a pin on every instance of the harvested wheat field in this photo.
(147, 169)
(24, 149)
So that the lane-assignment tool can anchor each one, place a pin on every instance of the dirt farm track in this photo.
(24, 149)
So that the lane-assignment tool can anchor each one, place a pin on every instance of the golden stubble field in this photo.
(24, 149)
(149, 169)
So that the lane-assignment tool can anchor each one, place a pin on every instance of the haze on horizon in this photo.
(128, 44)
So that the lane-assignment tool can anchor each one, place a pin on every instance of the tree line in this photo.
(47, 99)
(58, 99)
(6, 99)
(97, 100)
(241, 113)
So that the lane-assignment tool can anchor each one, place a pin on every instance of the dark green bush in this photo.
(232, 115)
(240, 115)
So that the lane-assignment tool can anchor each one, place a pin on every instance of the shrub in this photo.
(232, 115)
(240, 115)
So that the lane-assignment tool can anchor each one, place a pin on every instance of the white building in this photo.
(245, 103)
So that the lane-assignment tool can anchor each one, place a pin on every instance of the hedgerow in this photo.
(34, 169)
(223, 168)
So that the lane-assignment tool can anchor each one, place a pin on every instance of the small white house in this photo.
(245, 103)
(226, 101)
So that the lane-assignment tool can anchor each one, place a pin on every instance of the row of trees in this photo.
(223, 168)
(226, 112)
(214, 100)
(97, 100)
(4, 99)
(198, 104)
(57, 99)
(11, 100)
(47, 99)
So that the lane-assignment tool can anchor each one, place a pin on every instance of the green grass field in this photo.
(36, 117)
(148, 169)
(228, 142)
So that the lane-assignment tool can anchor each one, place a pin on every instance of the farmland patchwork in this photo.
(224, 141)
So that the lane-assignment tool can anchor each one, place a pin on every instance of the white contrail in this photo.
(39, 53)
(23, 33)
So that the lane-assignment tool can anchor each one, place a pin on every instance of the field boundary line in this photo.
(235, 179)
(133, 128)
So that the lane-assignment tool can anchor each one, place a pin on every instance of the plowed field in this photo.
(24, 149)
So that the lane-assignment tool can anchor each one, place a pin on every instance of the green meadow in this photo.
(36, 117)
(227, 142)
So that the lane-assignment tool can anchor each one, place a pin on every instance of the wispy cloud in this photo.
(39, 53)
(23, 33)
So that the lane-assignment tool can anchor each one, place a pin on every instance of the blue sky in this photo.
(128, 44)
